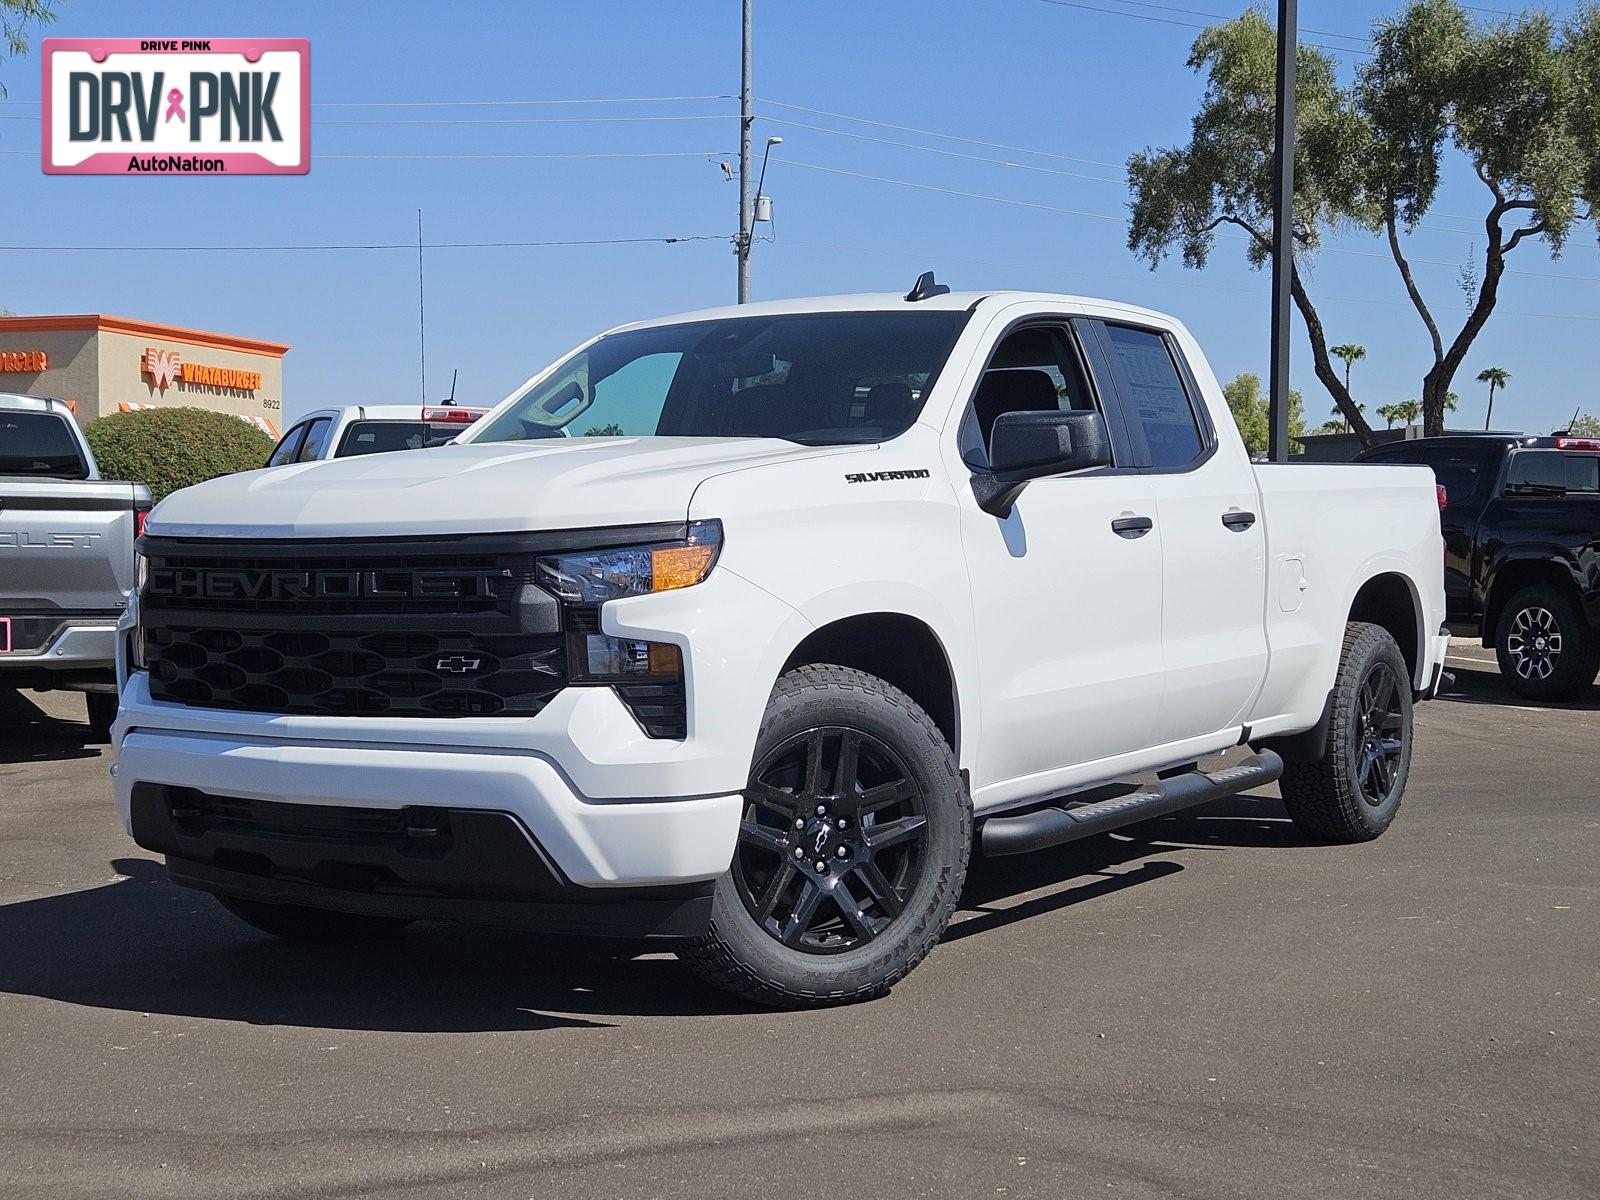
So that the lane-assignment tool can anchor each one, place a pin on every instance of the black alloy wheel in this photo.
(832, 842)
(1380, 729)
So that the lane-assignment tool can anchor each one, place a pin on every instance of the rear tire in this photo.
(1545, 646)
(853, 847)
(1353, 792)
(296, 923)
(102, 708)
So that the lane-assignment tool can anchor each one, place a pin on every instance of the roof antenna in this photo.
(926, 287)
(1570, 424)
(453, 375)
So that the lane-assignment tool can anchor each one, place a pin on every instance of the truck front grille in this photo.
(333, 673)
(411, 627)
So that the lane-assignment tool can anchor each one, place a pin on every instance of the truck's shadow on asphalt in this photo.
(1483, 685)
(28, 734)
(139, 944)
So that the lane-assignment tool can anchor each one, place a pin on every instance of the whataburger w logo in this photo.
(163, 367)
(164, 106)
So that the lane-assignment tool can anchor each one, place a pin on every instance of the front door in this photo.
(1066, 589)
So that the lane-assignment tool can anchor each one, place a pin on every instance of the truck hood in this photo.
(472, 488)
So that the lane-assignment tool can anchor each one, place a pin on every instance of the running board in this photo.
(1052, 826)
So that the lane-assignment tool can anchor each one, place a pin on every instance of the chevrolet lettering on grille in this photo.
(245, 584)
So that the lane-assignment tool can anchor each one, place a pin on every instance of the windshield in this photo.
(36, 443)
(381, 437)
(815, 378)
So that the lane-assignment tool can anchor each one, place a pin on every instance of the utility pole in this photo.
(747, 118)
(1282, 232)
(422, 321)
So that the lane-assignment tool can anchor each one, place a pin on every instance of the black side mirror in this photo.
(1033, 445)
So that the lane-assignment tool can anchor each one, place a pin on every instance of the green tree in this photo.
(611, 430)
(1518, 98)
(1250, 413)
(1585, 426)
(1390, 414)
(1495, 377)
(15, 17)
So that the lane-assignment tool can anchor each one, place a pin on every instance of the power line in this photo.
(951, 137)
(999, 162)
(511, 103)
(411, 246)
(1120, 218)
(1193, 12)
(1117, 12)
(503, 120)
(1165, 282)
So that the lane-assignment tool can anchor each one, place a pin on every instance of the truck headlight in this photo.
(595, 576)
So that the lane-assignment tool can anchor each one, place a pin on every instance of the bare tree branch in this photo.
(1411, 285)
(1323, 364)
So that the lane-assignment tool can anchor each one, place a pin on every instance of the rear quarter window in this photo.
(1538, 469)
(39, 444)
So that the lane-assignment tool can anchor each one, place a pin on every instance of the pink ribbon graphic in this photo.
(175, 106)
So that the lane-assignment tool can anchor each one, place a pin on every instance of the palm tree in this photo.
(1338, 415)
(1390, 413)
(1407, 410)
(1350, 353)
(1495, 377)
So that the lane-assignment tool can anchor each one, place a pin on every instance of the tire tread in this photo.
(717, 962)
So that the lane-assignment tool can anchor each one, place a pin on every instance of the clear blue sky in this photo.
(1080, 85)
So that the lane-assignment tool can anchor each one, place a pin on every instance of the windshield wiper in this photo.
(1535, 489)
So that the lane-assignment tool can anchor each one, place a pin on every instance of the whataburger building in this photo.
(101, 364)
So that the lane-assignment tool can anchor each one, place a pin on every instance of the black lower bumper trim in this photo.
(422, 862)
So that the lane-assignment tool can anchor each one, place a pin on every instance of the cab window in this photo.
(286, 449)
(1154, 399)
(1034, 369)
(1552, 472)
(316, 438)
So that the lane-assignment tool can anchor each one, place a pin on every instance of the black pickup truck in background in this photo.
(1521, 521)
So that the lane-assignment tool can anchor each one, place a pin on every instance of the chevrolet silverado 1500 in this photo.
(742, 628)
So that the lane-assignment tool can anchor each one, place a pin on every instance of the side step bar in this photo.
(1052, 826)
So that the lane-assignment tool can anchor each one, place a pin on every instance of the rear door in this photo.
(1213, 538)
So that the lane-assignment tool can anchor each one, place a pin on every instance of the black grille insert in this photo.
(351, 673)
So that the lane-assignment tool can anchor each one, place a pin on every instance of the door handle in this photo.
(1238, 521)
(1132, 527)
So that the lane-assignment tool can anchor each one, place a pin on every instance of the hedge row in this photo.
(172, 448)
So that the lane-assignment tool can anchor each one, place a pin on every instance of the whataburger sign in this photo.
(164, 106)
(166, 367)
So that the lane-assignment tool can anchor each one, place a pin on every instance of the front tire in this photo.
(1545, 647)
(296, 923)
(852, 849)
(1353, 792)
(102, 709)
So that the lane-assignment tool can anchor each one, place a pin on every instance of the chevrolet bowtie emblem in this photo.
(458, 664)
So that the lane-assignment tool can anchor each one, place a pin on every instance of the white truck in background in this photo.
(67, 565)
(832, 590)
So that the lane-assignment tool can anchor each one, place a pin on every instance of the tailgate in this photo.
(66, 545)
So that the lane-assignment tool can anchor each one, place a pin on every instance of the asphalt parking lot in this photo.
(1207, 1006)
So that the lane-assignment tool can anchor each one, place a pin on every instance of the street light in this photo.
(764, 211)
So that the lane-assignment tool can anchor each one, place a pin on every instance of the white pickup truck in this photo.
(739, 628)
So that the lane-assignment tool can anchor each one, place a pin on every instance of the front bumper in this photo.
(423, 862)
